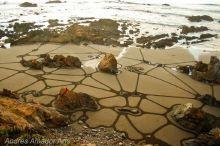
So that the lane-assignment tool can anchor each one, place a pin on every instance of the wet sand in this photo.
(151, 92)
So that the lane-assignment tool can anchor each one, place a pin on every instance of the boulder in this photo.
(69, 101)
(108, 64)
(211, 138)
(209, 100)
(193, 118)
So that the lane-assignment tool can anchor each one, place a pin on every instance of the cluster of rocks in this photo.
(69, 100)
(17, 117)
(202, 71)
(195, 119)
(55, 62)
(200, 18)
(103, 31)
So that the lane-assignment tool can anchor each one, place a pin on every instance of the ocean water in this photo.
(151, 15)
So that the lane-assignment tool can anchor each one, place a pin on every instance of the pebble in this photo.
(80, 122)
(120, 143)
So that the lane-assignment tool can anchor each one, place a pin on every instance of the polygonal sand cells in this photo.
(135, 101)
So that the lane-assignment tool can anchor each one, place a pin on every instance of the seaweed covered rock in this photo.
(56, 61)
(108, 64)
(200, 18)
(192, 29)
(211, 138)
(193, 118)
(27, 4)
(69, 101)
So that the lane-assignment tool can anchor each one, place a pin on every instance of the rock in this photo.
(8, 93)
(34, 64)
(205, 139)
(207, 35)
(209, 100)
(27, 4)
(200, 18)
(22, 27)
(68, 101)
(215, 132)
(57, 61)
(210, 73)
(204, 72)
(167, 42)
(128, 110)
(53, 1)
(192, 29)
(165, 4)
(17, 117)
(185, 69)
(53, 22)
(182, 110)
(108, 64)
(194, 118)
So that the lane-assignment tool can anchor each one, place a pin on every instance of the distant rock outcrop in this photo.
(27, 4)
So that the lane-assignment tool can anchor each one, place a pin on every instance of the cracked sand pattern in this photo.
(136, 101)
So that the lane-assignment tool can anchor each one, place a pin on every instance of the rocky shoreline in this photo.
(107, 82)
